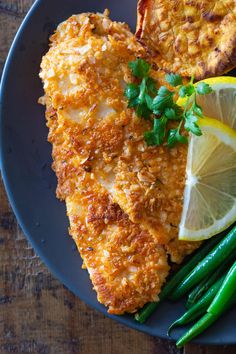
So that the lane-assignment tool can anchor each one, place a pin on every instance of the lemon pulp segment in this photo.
(210, 192)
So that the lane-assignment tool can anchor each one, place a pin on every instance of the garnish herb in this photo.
(159, 104)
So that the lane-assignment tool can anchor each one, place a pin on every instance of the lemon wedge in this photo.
(221, 103)
(210, 190)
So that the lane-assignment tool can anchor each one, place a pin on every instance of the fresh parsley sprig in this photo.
(140, 95)
(159, 104)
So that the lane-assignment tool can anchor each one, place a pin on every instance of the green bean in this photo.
(209, 264)
(199, 308)
(224, 300)
(146, 311)
(205, 284)
(206, 321)
(226, 292)
(149, 308)
(197, 329)
(196, 293)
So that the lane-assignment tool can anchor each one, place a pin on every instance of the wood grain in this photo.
(37, 313)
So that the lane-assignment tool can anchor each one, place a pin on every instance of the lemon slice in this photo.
(210, 190)
(221, 103)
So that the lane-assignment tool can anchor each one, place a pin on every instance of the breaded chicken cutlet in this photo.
(193, 38)
(123, 208)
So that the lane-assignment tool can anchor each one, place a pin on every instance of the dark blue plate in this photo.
(26, 160)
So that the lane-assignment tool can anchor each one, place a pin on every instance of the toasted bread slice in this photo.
(194, 38)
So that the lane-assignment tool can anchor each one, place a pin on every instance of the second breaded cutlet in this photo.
(193, 38)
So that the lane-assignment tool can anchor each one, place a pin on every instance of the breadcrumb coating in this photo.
(124, 199)
(83, 75)
(193, 38)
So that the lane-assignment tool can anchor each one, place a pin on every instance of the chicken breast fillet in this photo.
(83, 75)
(124, 199)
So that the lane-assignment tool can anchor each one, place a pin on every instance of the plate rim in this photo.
(37, 250)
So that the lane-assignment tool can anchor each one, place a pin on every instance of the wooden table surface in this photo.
(37, 313)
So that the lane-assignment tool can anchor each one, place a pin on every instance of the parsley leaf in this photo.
(174, 79)
(191, 123)
(143, 111)
(170, 113)
(163, 91)
(187, 90)
(151, 86)
(175, 137)
(133, 102)
(197, 109)
(142, 91)
(140, 68)
(131, 91)
(157, 135)
(178, 111)
(203, 89)
(149, 101)
(163, 99)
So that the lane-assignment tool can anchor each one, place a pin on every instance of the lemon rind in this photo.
(204, 234)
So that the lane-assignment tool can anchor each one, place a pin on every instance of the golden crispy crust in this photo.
(82, 74)
(107, 134)
(189, 37)
(127, 267)
(123, 198)
(149, 187)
